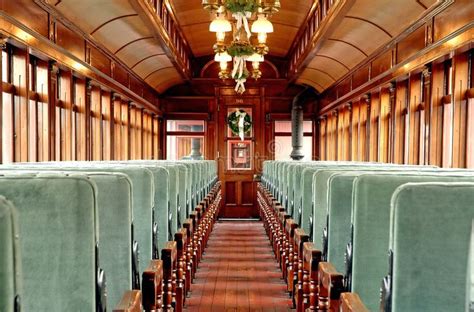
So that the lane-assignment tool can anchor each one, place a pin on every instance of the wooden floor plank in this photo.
(238, 272)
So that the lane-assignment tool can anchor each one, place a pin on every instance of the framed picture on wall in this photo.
(239, 155)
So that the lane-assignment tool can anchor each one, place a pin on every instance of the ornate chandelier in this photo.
(248, 22)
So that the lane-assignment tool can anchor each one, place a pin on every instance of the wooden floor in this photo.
(238, 272)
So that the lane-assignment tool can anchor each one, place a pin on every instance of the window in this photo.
(185, 139)
(282, 144)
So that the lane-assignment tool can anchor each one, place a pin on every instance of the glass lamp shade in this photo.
(220, 24)
(220, 36)
(262, 37)
(262, 25)
(222, 57)
(255, 58)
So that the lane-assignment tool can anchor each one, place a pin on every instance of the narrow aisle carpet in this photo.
(238, 272)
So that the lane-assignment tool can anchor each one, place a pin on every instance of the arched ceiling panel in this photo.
(151, 64)
(138, 50)
(329, 65)
(309, 82)
(345, 53)
(364, 28)
(321, 78)
(89, 15)
(161, 75)
(117, 27)
(354, 31)
(122, 32)
(393, 17)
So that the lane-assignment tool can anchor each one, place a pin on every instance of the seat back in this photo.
(371, 222)
(431, 225)
(57, 227)
(10, 273)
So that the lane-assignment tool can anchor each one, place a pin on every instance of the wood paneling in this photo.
(99, 60)
(70, 41)
(231, 192)
(413, 43)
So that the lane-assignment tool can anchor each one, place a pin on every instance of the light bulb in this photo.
(220, 36)
(223, 65)
(262, 37)
(255, 65)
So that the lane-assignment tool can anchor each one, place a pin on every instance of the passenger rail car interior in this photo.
(237, 155)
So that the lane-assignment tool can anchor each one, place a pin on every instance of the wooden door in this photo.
(238, 159)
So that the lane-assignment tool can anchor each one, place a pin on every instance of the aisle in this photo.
(238, 272)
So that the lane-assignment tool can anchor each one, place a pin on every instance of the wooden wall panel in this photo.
(28, 13)
(454, 17)
(381, 64)
(231, 192)
(99, 60)
(70, 41)
(120, 74)
(247, 192)
(460, 87)
(410, 45)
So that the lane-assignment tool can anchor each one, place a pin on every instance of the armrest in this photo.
(350, 302)
(290, 227)
(152, 285)
(169, 257)
(300, 238)
(131, 302)
(188, 225)
(330, 287)
(180, 237)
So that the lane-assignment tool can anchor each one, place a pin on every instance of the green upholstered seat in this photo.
(371, 221)
(431, 225)
(10, 272)
(58, 234)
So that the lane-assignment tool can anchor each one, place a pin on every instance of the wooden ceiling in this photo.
(367, 26)
(117, 26)
(194, 22)
(363, 28)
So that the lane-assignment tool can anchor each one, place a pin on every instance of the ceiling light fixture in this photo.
(236, 16)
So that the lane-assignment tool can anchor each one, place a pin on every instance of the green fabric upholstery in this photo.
(57, 223)
(430, 237)
(339, 210)
(10, 273)
(142, 184)
(470, 274)
(371, 221)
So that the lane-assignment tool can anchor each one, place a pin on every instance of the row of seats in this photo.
(87, 236)
(369, 236)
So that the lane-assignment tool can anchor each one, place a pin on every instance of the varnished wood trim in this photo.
(131, 42)
(110, 21)
(371, 23)
(349, 44)
(470, 93)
